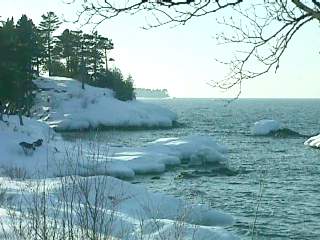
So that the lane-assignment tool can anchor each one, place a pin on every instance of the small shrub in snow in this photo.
(16, 173)
(3, 194)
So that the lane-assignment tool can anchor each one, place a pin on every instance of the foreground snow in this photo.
(313, 141)
(127, 211)
(265, 126)
(65, 106)
(132, 209)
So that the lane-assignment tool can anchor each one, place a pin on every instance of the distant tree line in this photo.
(26, 49)
(151, 93)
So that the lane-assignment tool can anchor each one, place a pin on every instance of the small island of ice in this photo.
(265, 126)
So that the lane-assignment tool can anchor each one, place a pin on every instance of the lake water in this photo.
(286, 171)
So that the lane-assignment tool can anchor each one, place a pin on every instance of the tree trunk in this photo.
(82, 76)
(106, 57)
(49, 56)
(20, 118)
(38, 63)
(1, 111)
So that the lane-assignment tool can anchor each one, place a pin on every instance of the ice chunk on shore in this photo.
(313, 141)
(66, 106)
(265, 126)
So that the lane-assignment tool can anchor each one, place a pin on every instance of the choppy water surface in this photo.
(288, 171)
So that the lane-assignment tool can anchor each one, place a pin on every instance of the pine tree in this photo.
(50, 22)
(40, 51)
(107, 45)
(26, 49)
(66, 41)
(26, 38)
(10, 70)
(8, 65)
(76, 52)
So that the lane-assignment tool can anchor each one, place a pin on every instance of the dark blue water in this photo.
(277, 180)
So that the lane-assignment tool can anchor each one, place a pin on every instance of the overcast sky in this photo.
(182, 59)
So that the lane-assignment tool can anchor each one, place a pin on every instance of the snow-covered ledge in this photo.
(65, 106)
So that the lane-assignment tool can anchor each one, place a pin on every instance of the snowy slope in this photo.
(65, 106)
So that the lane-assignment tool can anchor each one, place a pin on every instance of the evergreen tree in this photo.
(76, 52)
(40, 51)
(96, 55)
(26, 49)
(66, 43)
(15, 76)
(9, 70)
(50, 22)
(26, 44)
(107, 45)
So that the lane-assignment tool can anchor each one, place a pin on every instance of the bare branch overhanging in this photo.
(263, 27)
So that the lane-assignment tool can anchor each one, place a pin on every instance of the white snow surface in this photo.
(65, 106)
(265, 126)
(313, 141)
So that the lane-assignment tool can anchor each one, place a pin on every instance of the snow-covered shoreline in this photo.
(57, 159)
(64, 105)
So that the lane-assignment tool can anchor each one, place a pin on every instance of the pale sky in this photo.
(182, 59)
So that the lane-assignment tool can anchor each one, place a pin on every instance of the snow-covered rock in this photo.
(265, 126)
(313, 141)
(65, 106)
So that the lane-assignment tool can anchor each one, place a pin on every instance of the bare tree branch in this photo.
(263, 28)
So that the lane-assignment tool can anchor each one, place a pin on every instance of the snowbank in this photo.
(128, 211)
(313, 141)
(265, 126)
(65, 106)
